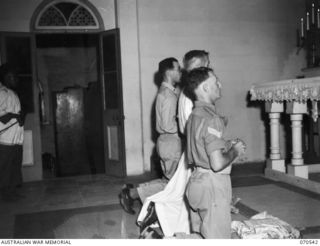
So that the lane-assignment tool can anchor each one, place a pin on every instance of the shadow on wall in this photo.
(264, 117)
(155, 159)
(294, 64)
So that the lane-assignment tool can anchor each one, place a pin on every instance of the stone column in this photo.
(275, 162)
(296, 127)
(296, 111)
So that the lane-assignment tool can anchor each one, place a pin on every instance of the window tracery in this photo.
(66, 15)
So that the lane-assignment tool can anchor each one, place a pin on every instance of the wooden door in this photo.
(93, 127)
(71, 151)
(113, 118)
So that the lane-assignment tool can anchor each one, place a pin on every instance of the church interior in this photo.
(87, 69)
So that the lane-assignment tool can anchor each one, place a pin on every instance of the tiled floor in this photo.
(299, 210)
(87, 207)
(63, 194)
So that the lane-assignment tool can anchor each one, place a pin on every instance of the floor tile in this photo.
(294, 208)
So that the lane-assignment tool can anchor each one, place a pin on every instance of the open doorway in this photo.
(60, 63)
(58, 31)
(72, 124)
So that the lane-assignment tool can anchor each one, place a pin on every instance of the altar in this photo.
(298, 98)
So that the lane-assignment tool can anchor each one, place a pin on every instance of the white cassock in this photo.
(169, 204)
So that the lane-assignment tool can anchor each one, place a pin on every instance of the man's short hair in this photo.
(196, 77)
(190, 55)
(165, 65)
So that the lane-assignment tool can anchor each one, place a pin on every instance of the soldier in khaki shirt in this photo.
(209, 188)
(168, 143)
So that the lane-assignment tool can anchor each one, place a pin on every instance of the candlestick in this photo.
(302, 28)
(312, 13)
(308, 27)
(318, 18)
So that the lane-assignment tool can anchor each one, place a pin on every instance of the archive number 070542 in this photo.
(308, 241)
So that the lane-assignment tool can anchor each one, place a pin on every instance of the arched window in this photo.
(72, 15)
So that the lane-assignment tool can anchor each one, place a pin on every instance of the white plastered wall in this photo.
(249, 41)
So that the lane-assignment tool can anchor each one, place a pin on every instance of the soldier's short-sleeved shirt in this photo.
(205, 134)
(166, 109)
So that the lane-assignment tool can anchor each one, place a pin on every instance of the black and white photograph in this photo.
(126, 120)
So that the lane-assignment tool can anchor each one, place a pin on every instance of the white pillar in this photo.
(296, 111)
(275, 162)
(275, 136)
(296, 127)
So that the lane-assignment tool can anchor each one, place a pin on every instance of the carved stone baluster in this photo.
(275, 162)
(296, 111)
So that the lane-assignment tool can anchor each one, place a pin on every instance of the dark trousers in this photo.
(10, 166)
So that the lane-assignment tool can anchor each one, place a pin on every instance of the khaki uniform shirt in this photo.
(205, 130)
(166, 109)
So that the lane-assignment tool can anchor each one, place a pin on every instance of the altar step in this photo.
(312, 184)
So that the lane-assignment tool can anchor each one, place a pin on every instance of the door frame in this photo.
(32, 35)
(121, 163)
(102, 98)
(36, 140)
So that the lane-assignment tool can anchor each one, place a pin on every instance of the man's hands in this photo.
(220, 160)
(239, 146)
(8, 116)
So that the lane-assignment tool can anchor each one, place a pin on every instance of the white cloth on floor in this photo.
(169, 203)
(264, 226)
(170, 206)
(150, 188)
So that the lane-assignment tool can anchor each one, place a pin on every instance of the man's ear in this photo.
(205, 86)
